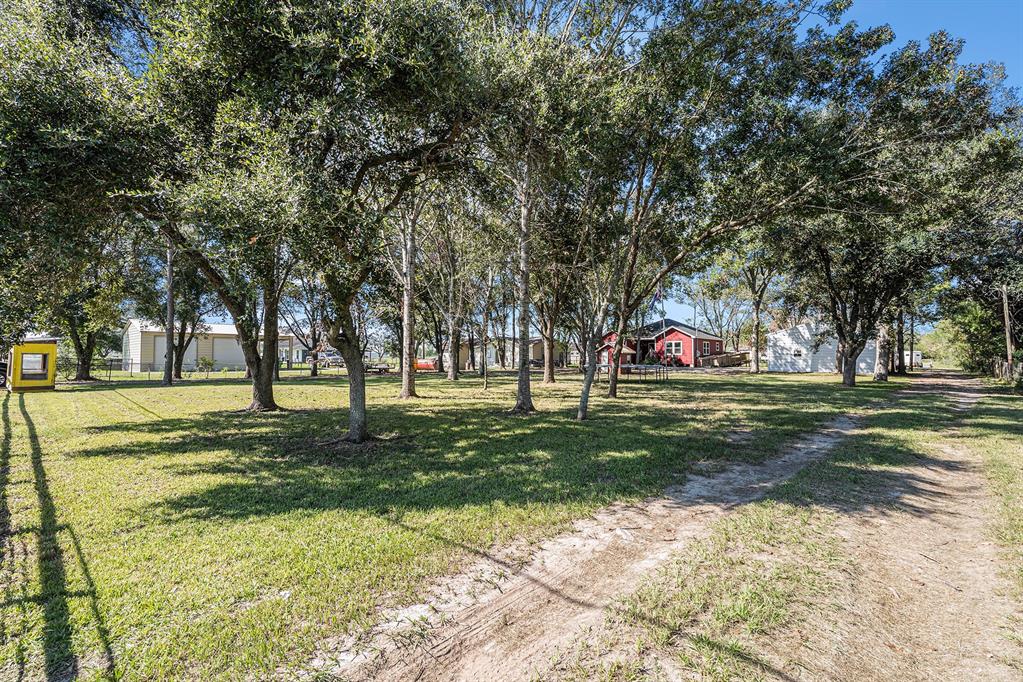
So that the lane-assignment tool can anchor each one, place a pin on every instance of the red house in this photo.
(668, 341)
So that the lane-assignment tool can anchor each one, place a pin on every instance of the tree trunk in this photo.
(186, 334)
(850, 354)
(523, 397)
(514, 339)
(900, 344)
(347, 343)
(483, 369)
(454, 349)
(438, 342)
(883, 352)
(754, 357)
(590, 346)
(1010, 350)
(408, 315)
(179, 361)
(168, 356)
(83, 371)
(616, 357)
(548, 350)
(262, 378)
(180, 348)
(912, 340)
(260, 368)
(314, 363)
(271, 338)
(501, 340)
(84, 350)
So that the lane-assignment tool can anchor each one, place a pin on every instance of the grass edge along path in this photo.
(993, 432)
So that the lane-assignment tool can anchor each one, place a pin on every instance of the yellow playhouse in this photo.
(32, 364)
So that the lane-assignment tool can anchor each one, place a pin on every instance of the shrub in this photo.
(204, 364)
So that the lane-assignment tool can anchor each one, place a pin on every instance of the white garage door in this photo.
(160, 345)
(227, 353)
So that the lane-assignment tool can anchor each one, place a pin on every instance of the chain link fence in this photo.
(115, 369)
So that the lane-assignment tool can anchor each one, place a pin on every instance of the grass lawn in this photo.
(156, 533)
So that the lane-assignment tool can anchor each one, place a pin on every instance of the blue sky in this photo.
(992, 29)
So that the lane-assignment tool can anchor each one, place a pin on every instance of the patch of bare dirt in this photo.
(502, 621)
(924, 598)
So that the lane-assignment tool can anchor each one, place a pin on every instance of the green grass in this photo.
(715, 609)
(156, 533)
(155, 374)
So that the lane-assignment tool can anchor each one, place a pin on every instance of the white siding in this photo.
(792, 350)
(227, 353)
(159, 350)
(131, 347)
(160, 346)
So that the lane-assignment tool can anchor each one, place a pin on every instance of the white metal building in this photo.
(794, 350)
(143, 345)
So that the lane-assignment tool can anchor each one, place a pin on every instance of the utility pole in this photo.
(1009, 349)
(168, 365)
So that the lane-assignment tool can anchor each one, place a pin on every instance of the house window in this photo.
(34, 366)
(706, 347)
(673, 348)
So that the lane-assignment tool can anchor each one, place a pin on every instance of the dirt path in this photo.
(509, 630)
(925, 599)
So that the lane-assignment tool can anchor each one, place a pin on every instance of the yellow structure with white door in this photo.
(32, 365)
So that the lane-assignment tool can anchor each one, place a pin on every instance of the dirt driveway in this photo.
(923, 598)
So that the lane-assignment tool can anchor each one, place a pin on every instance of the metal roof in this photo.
(654, 329)
(212, 328)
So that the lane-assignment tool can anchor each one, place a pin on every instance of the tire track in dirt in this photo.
(508, 629)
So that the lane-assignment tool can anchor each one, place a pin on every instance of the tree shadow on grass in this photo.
(886, 469)
(14, 592)
(60, 660)
(470, 453)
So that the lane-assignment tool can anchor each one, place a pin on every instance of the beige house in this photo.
(143, 345)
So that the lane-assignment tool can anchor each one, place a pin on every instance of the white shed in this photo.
(794, 350)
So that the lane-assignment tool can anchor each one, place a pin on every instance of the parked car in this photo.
(3, 373)
(331, 358)
(536, 363)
